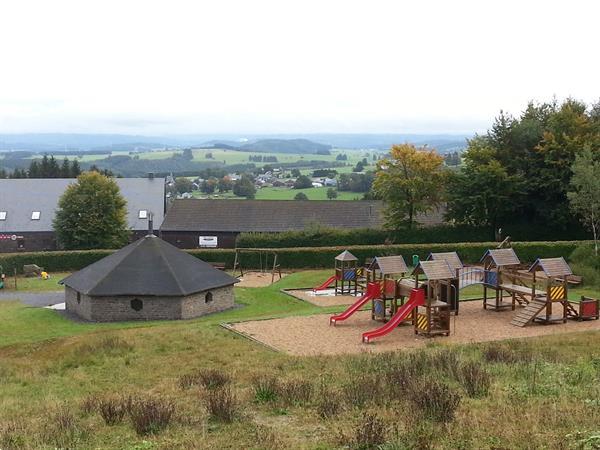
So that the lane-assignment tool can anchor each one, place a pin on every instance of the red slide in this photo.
(417, 298)
(373, 291)
(330, 280)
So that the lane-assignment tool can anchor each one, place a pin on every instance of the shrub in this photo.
(89, 404)
(295, 392)
(370, 432)
(265, 389)
(112, 410)
(150, 415)
(329, 403)
(585, 263)
(207, 378)
(221, 404)
(474, 379)
(62, 428)
(435, 400)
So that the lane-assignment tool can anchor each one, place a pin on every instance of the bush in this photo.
(586, 263)
(150, 415)
(207, 378)
(370, 433)
(266, 389)
(435, 400)
(474, 379)
(221, 404)
(62, 428)
(301, 257)
(112, 410)
(295, 392)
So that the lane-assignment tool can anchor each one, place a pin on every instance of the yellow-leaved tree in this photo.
(410, 181)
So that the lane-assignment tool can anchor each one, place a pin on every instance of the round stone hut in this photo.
(149, 279)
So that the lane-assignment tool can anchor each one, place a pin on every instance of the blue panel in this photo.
(491, 277)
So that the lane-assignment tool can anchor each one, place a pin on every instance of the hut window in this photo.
(137, 304)
(208, 298)
(78, 298)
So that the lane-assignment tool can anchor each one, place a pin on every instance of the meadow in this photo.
(283, 193)
(194, 384)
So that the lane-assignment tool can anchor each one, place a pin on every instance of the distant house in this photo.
(28, 206)
(332, 182)
(317, 184)
(189, 220)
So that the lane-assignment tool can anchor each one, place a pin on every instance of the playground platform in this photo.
(312, 335)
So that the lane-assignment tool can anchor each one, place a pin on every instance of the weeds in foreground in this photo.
(113, 409)
(62, 428)
(435, 400)
(370, 433)
(221, 404)
(150, 415)
(474, 379)
(265, 389)
(207, 378)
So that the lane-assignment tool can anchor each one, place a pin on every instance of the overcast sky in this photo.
(157, 67)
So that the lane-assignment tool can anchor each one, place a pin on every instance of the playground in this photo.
(390, 306)
(312, 335)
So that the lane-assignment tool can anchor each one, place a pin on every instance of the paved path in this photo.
(39, 299)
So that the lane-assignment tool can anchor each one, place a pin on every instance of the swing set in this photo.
(266, 256)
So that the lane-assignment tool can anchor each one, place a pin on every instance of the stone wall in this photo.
(78, 303)
(120, 308)
(197, 305)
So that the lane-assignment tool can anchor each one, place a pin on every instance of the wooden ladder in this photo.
(526, 315)
(571, 311)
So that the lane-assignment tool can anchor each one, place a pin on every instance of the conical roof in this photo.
(148, 267)
(346, 256)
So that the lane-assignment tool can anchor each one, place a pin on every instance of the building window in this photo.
(35, 215)
(143, 214)
(78, 298)
(2, 215)
(208, 298)
(137, 304)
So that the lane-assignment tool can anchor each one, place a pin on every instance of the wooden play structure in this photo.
(389, 272)
(265, 257)
(346, 277)
(502, 273)
(550, 303)
(456, 266)
(433, 316)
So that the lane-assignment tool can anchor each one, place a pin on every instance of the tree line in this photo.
(524, 170)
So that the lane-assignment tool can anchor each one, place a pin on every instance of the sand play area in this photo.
(257, 279)
(323, 298)
(312, 335)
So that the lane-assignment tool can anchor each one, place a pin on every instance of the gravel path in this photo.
(39, 299)
(312, 335)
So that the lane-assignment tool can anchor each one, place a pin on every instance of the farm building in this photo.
(27, 208)
(193, 223)
(148, 280)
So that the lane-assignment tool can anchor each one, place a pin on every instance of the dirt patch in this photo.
(322, 298)
(312, 335)
(257, 279)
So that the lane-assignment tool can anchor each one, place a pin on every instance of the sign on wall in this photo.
(208, 241)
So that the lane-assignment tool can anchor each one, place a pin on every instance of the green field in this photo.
(274, 193)
(63, 384)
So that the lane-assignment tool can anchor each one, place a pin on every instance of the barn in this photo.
(193, 223)
(148, 280)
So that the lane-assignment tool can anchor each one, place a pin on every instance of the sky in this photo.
(192, 67)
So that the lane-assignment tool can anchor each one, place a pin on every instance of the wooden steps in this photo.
(526, 315)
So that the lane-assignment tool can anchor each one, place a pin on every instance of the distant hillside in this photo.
(286, 146)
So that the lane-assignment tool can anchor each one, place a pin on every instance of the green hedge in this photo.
(299, 258)
(324, 237)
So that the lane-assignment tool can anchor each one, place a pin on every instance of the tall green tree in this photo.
(585, 195)
(482, 193)
(91, 214)
(410, 181)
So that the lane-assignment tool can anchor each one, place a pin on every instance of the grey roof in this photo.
(435, 270)
(501, 257)
(270, 215)
(552, 267)
(148, 267)
(451, 258)
(20, 197)
(389, 265)
(346, 256)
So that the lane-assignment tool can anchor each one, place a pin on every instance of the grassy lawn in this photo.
(59, 378)
(35, 284)
(274, 193)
